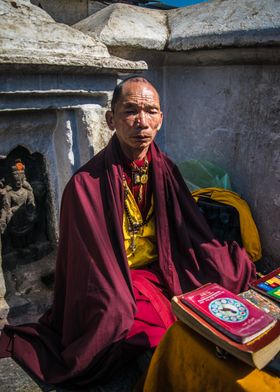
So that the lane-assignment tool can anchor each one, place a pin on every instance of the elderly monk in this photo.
(131, 237)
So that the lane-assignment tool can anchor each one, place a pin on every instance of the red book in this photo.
(257, 353)
(230, 314)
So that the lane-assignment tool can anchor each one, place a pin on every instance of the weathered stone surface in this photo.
(94, 132)
(129, 26)
(69, 11)
(229, 115)
(64, 11)
(219, 23)
(14, 379)
(28, 35)
(30, 290)
(4, 309)
(94, 6)
(222, 23)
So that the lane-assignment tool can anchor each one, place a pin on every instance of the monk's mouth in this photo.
(141, 138)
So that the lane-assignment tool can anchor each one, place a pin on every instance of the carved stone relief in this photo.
(23, 208)
(25, 236)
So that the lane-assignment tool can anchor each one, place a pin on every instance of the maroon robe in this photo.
(92, 319)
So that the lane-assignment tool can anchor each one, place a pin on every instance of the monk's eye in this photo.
(130, 112)
(153, 111)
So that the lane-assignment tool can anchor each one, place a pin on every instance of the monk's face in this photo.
(136, 118)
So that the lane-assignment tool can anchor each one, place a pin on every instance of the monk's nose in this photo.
(141, 119)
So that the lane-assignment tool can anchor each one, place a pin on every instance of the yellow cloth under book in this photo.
(248, 230)
(184, 361)
(145, 240)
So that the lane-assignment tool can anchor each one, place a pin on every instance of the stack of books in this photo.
(246, 325)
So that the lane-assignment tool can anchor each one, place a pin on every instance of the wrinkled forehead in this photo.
(140, 90)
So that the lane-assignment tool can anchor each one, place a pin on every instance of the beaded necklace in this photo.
(140, 177)
(133, 226)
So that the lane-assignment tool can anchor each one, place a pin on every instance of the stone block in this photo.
(127, 25)
(228, 23)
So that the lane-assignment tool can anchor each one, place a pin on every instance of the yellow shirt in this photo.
(144, 240)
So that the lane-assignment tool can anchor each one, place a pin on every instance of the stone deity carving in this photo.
(23, 228)
(18, 211)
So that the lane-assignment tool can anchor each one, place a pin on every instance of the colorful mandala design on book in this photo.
(229, 309)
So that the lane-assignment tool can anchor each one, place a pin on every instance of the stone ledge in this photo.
(204, 57)
(127, 25)
(50, 99)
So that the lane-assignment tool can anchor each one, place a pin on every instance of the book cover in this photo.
(235, 317)
(268, 285)
(257, 353)
(264, 303)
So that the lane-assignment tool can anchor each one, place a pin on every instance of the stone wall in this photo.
(229, 115)
(69, 11)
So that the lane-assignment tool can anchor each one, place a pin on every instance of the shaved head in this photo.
(132, 79)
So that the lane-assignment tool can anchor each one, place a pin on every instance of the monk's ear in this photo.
(110, 119)
(160, 122)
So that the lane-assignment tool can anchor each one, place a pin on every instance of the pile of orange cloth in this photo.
(184, 361)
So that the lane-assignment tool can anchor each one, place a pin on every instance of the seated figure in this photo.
(18, 212)
(131, 237)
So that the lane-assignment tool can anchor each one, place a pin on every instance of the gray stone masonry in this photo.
(214, 24)
(225, 23)
(126, 25)
(29, 36)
